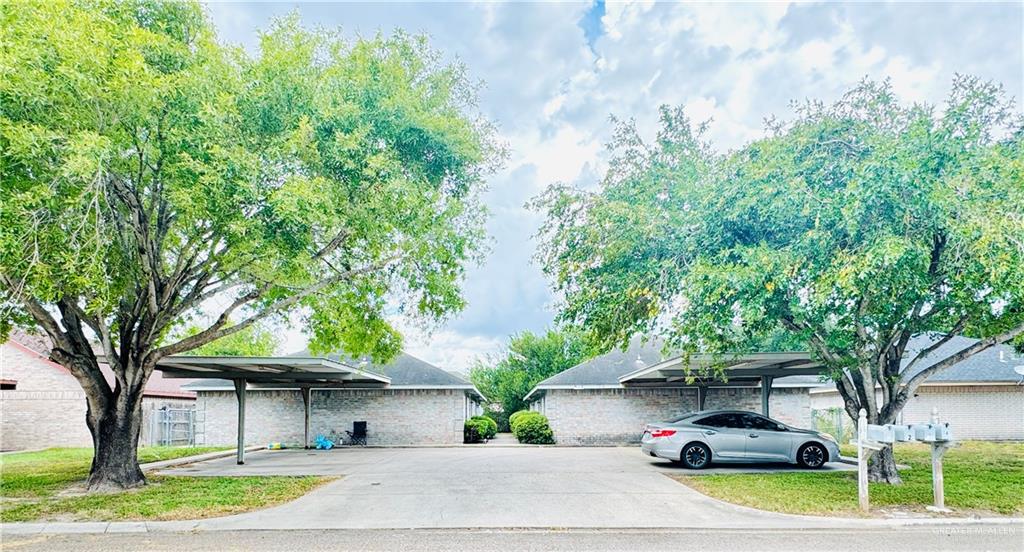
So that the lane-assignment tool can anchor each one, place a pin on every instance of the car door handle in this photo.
(753, 436)
(709, 432)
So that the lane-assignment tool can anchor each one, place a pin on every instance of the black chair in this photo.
(358, 434)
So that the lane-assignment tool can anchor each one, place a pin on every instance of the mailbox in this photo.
(942, 432)
(880, 434)
(902, 433)
(924, 432)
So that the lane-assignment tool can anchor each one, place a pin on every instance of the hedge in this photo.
(491, 426)
(532, 428)
(474, 431)
(512, 417)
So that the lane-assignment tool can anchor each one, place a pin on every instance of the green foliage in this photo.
(148, 168)
(530, 359)
(980, 478)
(252, 341)
(532, 428)
(516, 415)
(43, 473)
(849, 230)
(490, 426)
(500, 417)
(475, 430)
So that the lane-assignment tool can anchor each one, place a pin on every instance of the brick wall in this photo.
(987, 412)
(393, 416)
(978, 412)
(617, 416)
(47, 409)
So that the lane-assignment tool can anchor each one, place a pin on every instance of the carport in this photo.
(304, 372)
(702, 371)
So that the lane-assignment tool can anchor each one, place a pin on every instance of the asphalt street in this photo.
(904, 539)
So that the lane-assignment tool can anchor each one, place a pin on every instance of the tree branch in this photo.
(218, 330)
(38, 313)
(957, 328)
(953, 359)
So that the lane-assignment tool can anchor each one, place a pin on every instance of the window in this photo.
(721, 420)
(757, 422)
(8, 385)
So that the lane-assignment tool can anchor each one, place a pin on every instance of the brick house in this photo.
(42, 404)
(419, 404)
(589, 404)
(981, 397)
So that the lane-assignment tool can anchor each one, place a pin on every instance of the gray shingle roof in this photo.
(404, 369)
(606, 369)
(987, 366)
(994, 364)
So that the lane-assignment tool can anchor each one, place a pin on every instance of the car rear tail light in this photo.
(663, 433)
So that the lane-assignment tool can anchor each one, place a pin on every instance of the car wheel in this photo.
(695, 456)
(812, 456)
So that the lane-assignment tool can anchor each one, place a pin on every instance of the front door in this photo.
(725, 434)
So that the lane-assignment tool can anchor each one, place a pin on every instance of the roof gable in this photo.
(607, 368)
(995, 364)
(404, 370)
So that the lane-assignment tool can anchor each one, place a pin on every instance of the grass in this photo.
(980, 478)
(48, 485)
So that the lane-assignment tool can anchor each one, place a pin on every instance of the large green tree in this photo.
(149, 174)
(855, 227)
(529, 359)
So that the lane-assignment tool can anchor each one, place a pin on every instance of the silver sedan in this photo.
(731, 436)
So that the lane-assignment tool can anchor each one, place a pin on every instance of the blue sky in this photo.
(554, 72)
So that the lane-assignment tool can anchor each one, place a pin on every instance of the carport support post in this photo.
(240, 395)
(306, 402)
(766, 393)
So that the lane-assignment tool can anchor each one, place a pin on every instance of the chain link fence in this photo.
(834, 421)
(172, 427)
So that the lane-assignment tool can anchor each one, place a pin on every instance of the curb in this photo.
(161, 464)
(109, 527)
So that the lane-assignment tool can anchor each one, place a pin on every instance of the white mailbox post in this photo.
(864, 445)
(943, 442)
(875, 437)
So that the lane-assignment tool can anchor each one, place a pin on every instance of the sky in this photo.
(554, 73)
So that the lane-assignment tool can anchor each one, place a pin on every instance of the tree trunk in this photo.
(882, 468)
(115, 437)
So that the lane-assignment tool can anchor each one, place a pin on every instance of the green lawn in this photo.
(48, 485)
(981, 477)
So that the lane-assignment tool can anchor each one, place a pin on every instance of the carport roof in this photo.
(644, 364)
(403, 370)
(736, 368)
(266, 370)
(301, 369)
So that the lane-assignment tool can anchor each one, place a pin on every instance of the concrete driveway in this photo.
(483, 487)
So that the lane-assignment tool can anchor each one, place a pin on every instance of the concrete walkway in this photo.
(480, 488)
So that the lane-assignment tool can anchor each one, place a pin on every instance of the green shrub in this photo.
(474, 431)
(518, 417)
(491, 426)
(514, 416)
(500, 417)
(532, 428)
